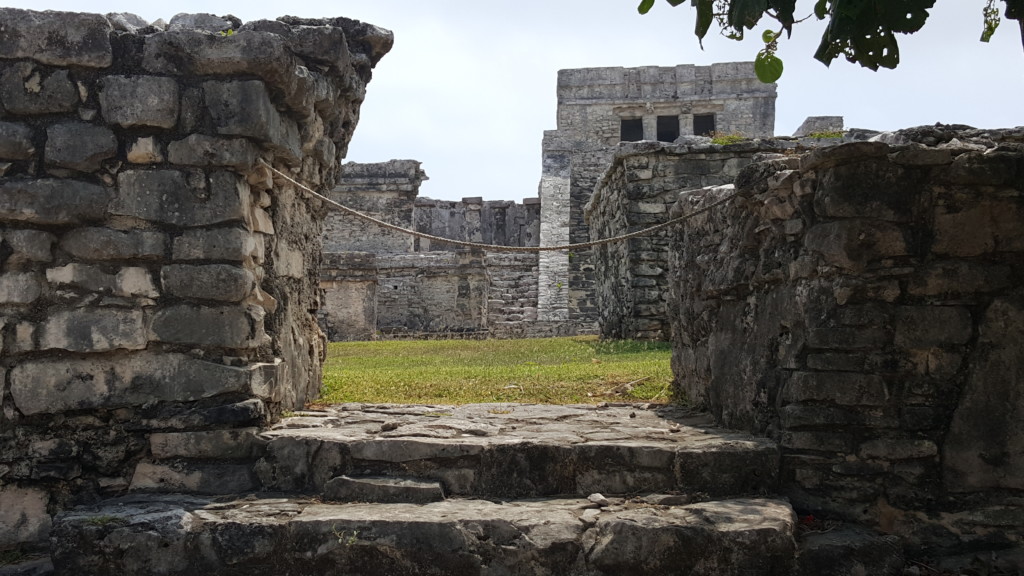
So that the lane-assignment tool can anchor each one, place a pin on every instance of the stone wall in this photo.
(593, 104)
(637, 190)
(862, 304)
(384, 190)
(381, 283)
(431, 293)
(154, 275)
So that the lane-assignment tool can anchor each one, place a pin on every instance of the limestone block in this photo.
(29, 245)
(93, 330)
(823, 158)
(127, 282)
(932, 326)
(193, 478)
(868, 189)
(239, 443)
(965, 232)
(102, 244)
(244, 108)
(54, 385)
(166, 196)
(23, 516)
(203, 150)
(854, 243)
(28, 89)
(51, 201)
(145, 150)
(918, 155)
(15, 141)
(382, 489)
(985, 169)
(56, 38)
(202, 22)
(221, 326)
(126, 21)
(985, 445)
(140, 101)
(898, 448)
(843, 388)
(232, 244)
(958, 277)
(19, 288)
(222, 282)
(79, 146)
(849, 551)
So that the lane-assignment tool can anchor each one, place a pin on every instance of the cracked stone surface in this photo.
(515, 450)
(179, 535)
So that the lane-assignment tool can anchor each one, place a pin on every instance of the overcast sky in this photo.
(470, 85)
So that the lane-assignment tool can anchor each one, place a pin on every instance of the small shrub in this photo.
(826, 134)
(724, 139)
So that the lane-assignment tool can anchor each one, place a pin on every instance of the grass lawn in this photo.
(544, 370)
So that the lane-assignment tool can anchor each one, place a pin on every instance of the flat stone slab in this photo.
(516, 450)
(382, 489)
(183, 536)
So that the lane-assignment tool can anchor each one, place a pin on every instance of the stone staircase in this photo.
(482, 489)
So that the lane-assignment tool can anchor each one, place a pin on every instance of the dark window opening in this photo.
(631, 130)
(668, 128)
(703, 124)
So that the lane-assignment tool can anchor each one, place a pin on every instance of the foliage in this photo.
(826, 134)
(862, 31)
(724, 138)
(542, 370)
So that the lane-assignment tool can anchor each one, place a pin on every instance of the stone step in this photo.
(382, 489)
(170, 535)
(519, 451)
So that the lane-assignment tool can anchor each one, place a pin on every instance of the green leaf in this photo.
(768, 67)
(768, 36)
(645, 6)
(821, 9)
(746, 13)
(991, 18)
(705, 16)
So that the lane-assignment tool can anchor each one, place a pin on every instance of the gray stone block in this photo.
(221, 326)
(102, 244)
(28, 89)
(24, 518)
(382, 489)
(223, 282)
(193, 478)
(232, 244)
(55, 385)
(56, 38)
(843, 388)
(203, 150)
(167, 196)
(49, 201)
(238, 443)
(127, 282)
(932, 326)
(19, 288)
(79, 146)
(15, 141)
(29, 245)
(140, 101)
(93, 330)
(850, 551)
(244, 108)
(202, 22)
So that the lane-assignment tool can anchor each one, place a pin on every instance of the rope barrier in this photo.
(493, 247)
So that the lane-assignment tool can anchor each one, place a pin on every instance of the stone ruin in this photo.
(856, 307)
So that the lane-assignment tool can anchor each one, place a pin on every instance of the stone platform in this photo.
(522, 451)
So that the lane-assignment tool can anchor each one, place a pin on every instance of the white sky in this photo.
(470, 85)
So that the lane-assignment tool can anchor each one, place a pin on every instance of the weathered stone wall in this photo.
(154, 276)
(636, 192)
(862, 304)
(384, 190)
(432, 293)
(592, 104)
(348, 309)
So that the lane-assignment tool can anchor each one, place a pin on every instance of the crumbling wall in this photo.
(497, 222)
(349, 282)
(432, 293)
(154, 275)
(384, 190)
(637, 191)
(862, 304)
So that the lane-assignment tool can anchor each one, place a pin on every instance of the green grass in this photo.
(544, 370)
